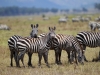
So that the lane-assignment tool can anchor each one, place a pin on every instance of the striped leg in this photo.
(11, 56)
(29, 61)
(20, 56)
(40, 57)
(45, 55)
(59, 57)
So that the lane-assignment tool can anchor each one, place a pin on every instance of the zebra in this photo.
(65, 42)
(93, 25)
(62, 20)
(4, 27)
(85, 19)
(13, 40)
(35, 45)
(88, 38)
(97, 19)
(70, 44)
(75, 19)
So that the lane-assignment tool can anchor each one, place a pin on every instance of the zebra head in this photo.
(34, 30)
(52, 32)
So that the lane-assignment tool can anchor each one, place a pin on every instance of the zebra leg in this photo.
(22, 60)
(30, 57)
(45, 55)
(11, 57)
(59, 57)
(20, 56)
(15, 57)
(40, 57)
(83, 57)
(69, 58)
(56, 57)
(76, 58)
(83, 52)
(15, 53)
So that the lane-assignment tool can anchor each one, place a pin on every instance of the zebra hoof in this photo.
(18, 66)
(82, 63)
(11, 65)
(40, 66)
(48, 66)
(59, 63)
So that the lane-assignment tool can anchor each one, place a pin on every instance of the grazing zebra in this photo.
(75, 19)
(62, 20)
(85, 19)
(13, 40)
(97, 19)
(65, 42)
(88, 38)
(94, 25)
(35, 45)
(4, 27)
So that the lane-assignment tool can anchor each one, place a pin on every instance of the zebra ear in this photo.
(32, 25)
(49, 28)
(37, 25)
(54, 28)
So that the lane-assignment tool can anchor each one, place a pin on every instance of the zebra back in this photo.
(33, 45)
(88, 38)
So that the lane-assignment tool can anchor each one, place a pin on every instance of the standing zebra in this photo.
(64, 42)
(88, 38)
(13, 40)
(36, 45)
(69, 44)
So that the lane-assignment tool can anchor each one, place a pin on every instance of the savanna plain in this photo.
(21, 25)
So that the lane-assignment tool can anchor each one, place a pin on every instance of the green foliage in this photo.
(97, 5)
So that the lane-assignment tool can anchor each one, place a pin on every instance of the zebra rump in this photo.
(88, 38)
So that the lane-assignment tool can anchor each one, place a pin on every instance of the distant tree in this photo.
(76, 10)
(66, 10)
(84, 9)
(14, 10)
(54, 10)
(97, 5)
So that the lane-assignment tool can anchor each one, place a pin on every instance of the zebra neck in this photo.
(46, 38)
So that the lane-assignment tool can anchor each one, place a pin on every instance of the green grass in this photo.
(20, 25)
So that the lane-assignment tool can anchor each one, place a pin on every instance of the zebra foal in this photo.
(36, 45)
(13, 40)
(70, 44)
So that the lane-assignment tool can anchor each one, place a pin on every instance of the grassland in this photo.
(20, 25)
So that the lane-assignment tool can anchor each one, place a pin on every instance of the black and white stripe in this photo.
(88, 38)
(64, 42)
(70, 44)
(35, 45)
(13, 40)
(94, 25)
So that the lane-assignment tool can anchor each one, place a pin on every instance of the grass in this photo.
(20, 25)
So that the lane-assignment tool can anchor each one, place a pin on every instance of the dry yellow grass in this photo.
(21, 26)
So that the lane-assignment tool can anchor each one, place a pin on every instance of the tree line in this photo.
(97, 5)
(15, 10)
